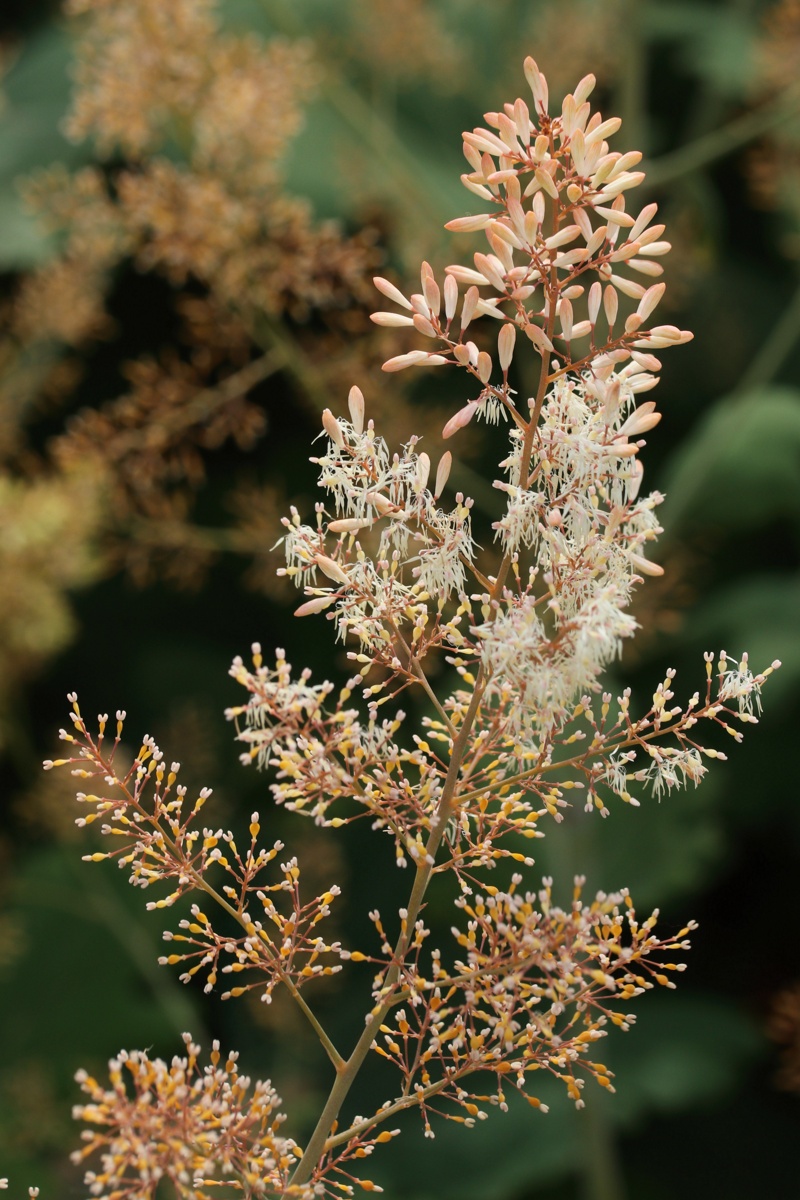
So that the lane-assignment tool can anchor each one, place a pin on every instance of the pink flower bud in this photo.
(468, 307)
(505, 345)
(470, 224)
(443, 473)
(461, 418)
(318, 604)
(390, 291)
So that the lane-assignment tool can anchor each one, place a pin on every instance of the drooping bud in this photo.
(461, 418)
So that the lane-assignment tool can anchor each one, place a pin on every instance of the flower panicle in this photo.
(144, 809)
(517, 721)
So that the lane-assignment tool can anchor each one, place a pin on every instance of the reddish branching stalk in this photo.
(516, 722)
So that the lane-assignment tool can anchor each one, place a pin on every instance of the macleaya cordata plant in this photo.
(516, 726)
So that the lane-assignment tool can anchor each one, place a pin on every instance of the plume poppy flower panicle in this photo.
(517, 725)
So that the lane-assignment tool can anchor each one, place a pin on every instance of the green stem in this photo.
(603, 1178)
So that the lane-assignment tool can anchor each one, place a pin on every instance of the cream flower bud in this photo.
(595, 300)
(539, 338)
(355, 402)
(610, 304)
(584, 89)
(430, 290)
(412, 359)
(390, 319)
(565, 316)
(450, 297)
(383, 505)
(469, 306)
(422, 472)
(491, 270)
(643, 220)
(348, 525)
(645, 566)
(461, 418)
(332, 428)
(537, 83)
(330, 568)
(644, 418)
(546, 182)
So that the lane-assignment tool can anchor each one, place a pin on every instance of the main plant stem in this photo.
(346, 1075)
(347, 1072)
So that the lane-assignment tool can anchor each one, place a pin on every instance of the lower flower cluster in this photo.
(208, 1131)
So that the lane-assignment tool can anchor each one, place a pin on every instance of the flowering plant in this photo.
(517, 723)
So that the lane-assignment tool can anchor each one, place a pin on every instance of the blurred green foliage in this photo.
(696, 1112)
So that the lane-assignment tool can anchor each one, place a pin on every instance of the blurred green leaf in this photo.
(84, 944)
(716, 43)
(761, 616)
(683, 1049)
(741, 465)
(661, 851)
